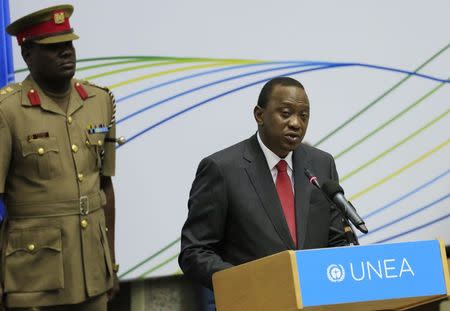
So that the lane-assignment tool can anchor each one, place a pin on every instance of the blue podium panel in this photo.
(366, 273)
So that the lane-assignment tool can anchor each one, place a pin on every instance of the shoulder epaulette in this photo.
(111, 95)
(9, 90)
(89, 83)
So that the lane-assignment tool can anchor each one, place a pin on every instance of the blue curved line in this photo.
(205, 86)
(415, 229)
(300, 64)
(306, 63)
(216, 97)
(411, 73)
(408, 215)
(406, 195)
(191, 76)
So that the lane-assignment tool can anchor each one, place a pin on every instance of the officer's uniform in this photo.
(54, 245)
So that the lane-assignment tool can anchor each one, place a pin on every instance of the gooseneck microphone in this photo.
(312, 178)
(335, 192)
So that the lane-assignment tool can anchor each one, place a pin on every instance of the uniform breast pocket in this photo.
(42, 155)
(95, 144)
(33, 260)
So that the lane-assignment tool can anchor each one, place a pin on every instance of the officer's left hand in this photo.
(115, 289)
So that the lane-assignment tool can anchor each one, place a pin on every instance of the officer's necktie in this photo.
(284, 189)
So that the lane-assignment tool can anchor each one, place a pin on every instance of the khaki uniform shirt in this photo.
(54, 245)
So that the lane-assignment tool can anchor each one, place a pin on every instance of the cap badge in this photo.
(58, 17)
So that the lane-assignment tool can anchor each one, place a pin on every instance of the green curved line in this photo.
(398, 144)
(159, 64)
(96, 59)
(162, 264)
(98, 65)
(400, 170)
(20, 70)
(145, 59)
(160, 58)
(417, 102)
(142, 57)
(108, 73)
(112, 64)
(148, 66)
(379, 98)
(150, 258)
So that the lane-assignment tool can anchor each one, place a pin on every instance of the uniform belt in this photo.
(83, 206)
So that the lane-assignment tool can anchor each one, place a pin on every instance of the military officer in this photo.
(57, 156)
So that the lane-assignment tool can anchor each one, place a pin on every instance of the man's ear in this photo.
(258, 114)
(26, 54)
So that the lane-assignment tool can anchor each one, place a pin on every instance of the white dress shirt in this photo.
(272, 160)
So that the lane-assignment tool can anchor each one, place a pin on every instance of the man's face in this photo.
(282, 123)
(50, 62)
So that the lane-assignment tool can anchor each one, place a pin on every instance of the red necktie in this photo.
(284, 189)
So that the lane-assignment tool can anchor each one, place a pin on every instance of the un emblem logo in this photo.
(335, 273)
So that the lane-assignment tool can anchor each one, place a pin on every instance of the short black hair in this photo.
(267, 89)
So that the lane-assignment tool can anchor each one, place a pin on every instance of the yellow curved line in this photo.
(108, 73)
(156, 63)
(399, 171)
(111, 64)
(398, 144)
(162, 73)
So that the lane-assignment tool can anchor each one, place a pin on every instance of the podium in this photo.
(394, 276)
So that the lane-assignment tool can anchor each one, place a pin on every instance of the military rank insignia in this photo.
(6, 90)
(97, 129)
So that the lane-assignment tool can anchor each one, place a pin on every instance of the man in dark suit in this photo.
(253, 199)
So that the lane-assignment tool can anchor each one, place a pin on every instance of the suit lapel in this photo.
(261, 178)
(300, 161)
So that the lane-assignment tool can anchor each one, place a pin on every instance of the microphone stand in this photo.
(349, 233)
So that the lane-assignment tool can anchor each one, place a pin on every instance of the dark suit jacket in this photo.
(235, 215)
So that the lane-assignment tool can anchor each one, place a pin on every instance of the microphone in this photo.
(335, 192)
(312, 178)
